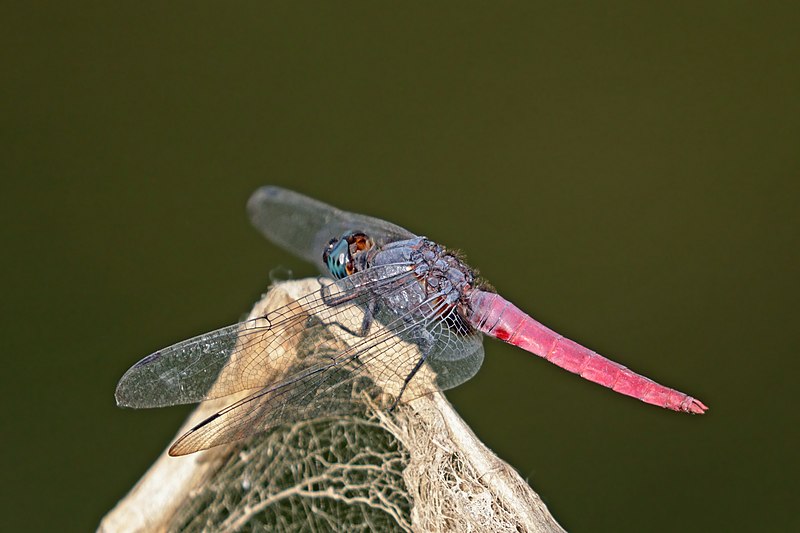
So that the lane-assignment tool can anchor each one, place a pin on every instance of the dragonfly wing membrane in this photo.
(182, 373)
(457, 356)
(253, 353)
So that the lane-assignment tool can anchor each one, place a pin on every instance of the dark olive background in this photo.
(627, 174)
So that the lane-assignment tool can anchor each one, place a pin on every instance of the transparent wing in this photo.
(249, 355)
(303, 226)
(457, 352)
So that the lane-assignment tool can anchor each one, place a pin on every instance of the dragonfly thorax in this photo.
(442, 272)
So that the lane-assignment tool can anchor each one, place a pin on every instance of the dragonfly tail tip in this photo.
(696, 407)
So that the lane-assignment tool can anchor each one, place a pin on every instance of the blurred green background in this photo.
(627, 173)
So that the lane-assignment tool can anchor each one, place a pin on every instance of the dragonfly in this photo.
(406, 305)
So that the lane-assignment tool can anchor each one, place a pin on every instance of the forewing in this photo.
(253, 353)
(182, 373)
(304, 226)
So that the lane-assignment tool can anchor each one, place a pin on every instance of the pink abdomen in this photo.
(497, 317)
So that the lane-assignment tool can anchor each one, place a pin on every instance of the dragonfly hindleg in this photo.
(425, 346)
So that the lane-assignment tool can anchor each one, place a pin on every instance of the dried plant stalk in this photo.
(418, 468)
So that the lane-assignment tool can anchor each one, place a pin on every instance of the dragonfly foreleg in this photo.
(366, 321)
(336, 300)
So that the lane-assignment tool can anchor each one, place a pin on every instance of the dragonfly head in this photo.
(338, 255)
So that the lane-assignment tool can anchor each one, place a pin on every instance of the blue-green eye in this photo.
(337, 255)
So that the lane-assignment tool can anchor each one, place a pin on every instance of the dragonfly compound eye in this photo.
(339, 253)
(337, 258)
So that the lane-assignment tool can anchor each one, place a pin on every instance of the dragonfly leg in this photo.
(369, 310)
(425, 347)
(334, 300)
(369, 314)
(366, 322)
(407, 381)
